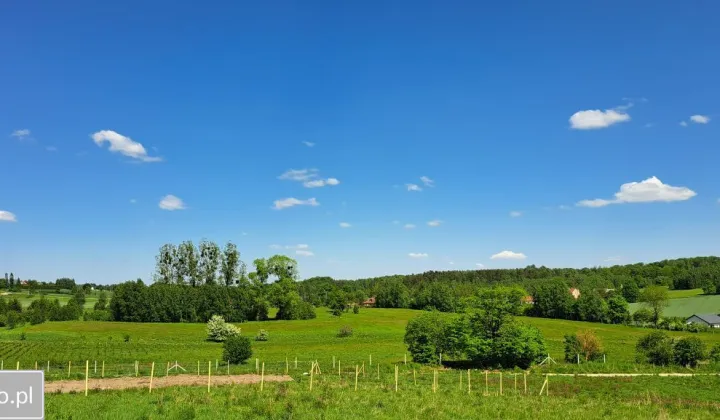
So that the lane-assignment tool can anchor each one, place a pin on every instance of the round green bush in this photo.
(237, 349)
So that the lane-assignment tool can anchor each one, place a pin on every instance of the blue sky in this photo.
(551, 111)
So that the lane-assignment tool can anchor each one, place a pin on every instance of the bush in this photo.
(356, 309)
(262, 335)
(584, 343)
(715, 353)
(643, 315)
(97, 315)
(689, 351)
(345, 331)
(237, 349)
(518, 345)
(655, 348)
(126, 338)
(23, 336)
(13, 319)
(218, 330)
(425, 337)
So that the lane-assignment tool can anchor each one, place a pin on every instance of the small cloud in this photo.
(451, 262)
(171, 203)
(6, 216)
(647, 191)
(304, 253)
(133, 201)
(595, 119)
(508, 255)
(309, 144)
(413, 187)
(700, 119)
(409, 226)
(427, 181)
(683, 123)
(478, 265)
(123, 145)
(21, 134)
(51, 149)
(434, 223)
(291, 202)
(320, 183)
(309, 178)
(417, 255)
(515, 213)
(345, 225)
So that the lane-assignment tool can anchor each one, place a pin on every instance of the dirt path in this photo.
(144, 382)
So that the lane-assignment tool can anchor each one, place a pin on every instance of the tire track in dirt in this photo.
(163, 382)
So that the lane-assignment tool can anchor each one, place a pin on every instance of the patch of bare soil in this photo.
(166, 381)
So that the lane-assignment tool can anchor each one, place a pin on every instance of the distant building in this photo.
(711, 320)
(528, 300)
(369, 303)
(575, 292)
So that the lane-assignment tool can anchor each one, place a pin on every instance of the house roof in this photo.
(709, 318)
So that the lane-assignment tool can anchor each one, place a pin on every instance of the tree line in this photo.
(194, 283)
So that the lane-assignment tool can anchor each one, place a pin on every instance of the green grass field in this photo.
(25, 298)
(687, 306)
(378, 333)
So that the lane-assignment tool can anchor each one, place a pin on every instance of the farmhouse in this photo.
(575, 292)
(711, 320)
(369, 303)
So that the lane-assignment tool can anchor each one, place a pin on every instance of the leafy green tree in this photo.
(715, 353)
(337, 302)
(491, 308)
(591, 307)
(689, 351)
(631, 291)
(208, 262)
(102, 302)
(656, 299)
(392, 294)
(230, 268)
(187, 259)
(518, 345)
(618, 311)
(643, 316)
(655, 348)
(165, 264)
(553, 300)
(425, 336)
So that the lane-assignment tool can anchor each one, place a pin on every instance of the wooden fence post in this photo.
(357, 372)
(262, 377)
(257, 365)
(515, 377)
(87, 372)
(152, 373)
(209, 372)
(167, 369)
(228, 367)
(17, 366)
(468, 381)
(137, 368)
(487, 390)
(378, 370)
(198, 368)
(295, 362)
(525, 381)
(371, 360)
(414, 377)
(501, 383)
(333, 362)
(406, 358)
(287, 365)
(461, 385)
(547, 382)
(48, 367)
(94, 369)
(102, 374)
(396, 378)
(312, 372)
(69, 366)
(339, 374)
(36, 365)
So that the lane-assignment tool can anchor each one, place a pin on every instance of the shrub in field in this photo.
(237, 349)
(23, 336)
(97, 315)
(13, 319)
(126, 338)
(689, 351)
(715, 353)
(655, 348)
(218, 330)
(584, 343)
(518, 345)
(643, 315)
(617, 310)
(425, 336)
(262, 335)
(356, 309)
(345, 331)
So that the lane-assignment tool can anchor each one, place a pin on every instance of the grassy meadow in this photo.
(686, 304)
(26, 298)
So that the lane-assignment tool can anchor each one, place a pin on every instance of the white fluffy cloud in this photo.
(309, 143)
(304, 252)
(700, 119)
(413, 187)
(417, 255)
(683, 123)
(123, 145)
(409, 226)
(6, 216)
(171, 202)
(291, 202)
(647, 191)
(309, 177)
(427, 181)
(593, 119)
(478, 265)
(515, 213)
(345, 225)
(21, 134)
(508, 255)
(434, 223)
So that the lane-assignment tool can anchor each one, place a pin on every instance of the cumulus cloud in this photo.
(310, 178)
(20, 134)
(508, 255)
(6, 216)
(123, 145)
(309, 143)
(409, 226)
(345, 225)
(417, 255)
(171, 202)
(647, 191)
(594, 119)
(700, 119)
(515, 213)
(291, 202)
(413, 187)
(427, 181)
(434, 223)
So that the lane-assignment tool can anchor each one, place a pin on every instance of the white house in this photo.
(711, 320)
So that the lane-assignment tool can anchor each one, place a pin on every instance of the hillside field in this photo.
(25, 298)
(687, 306)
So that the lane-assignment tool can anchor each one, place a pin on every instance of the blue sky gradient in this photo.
(477, 97)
